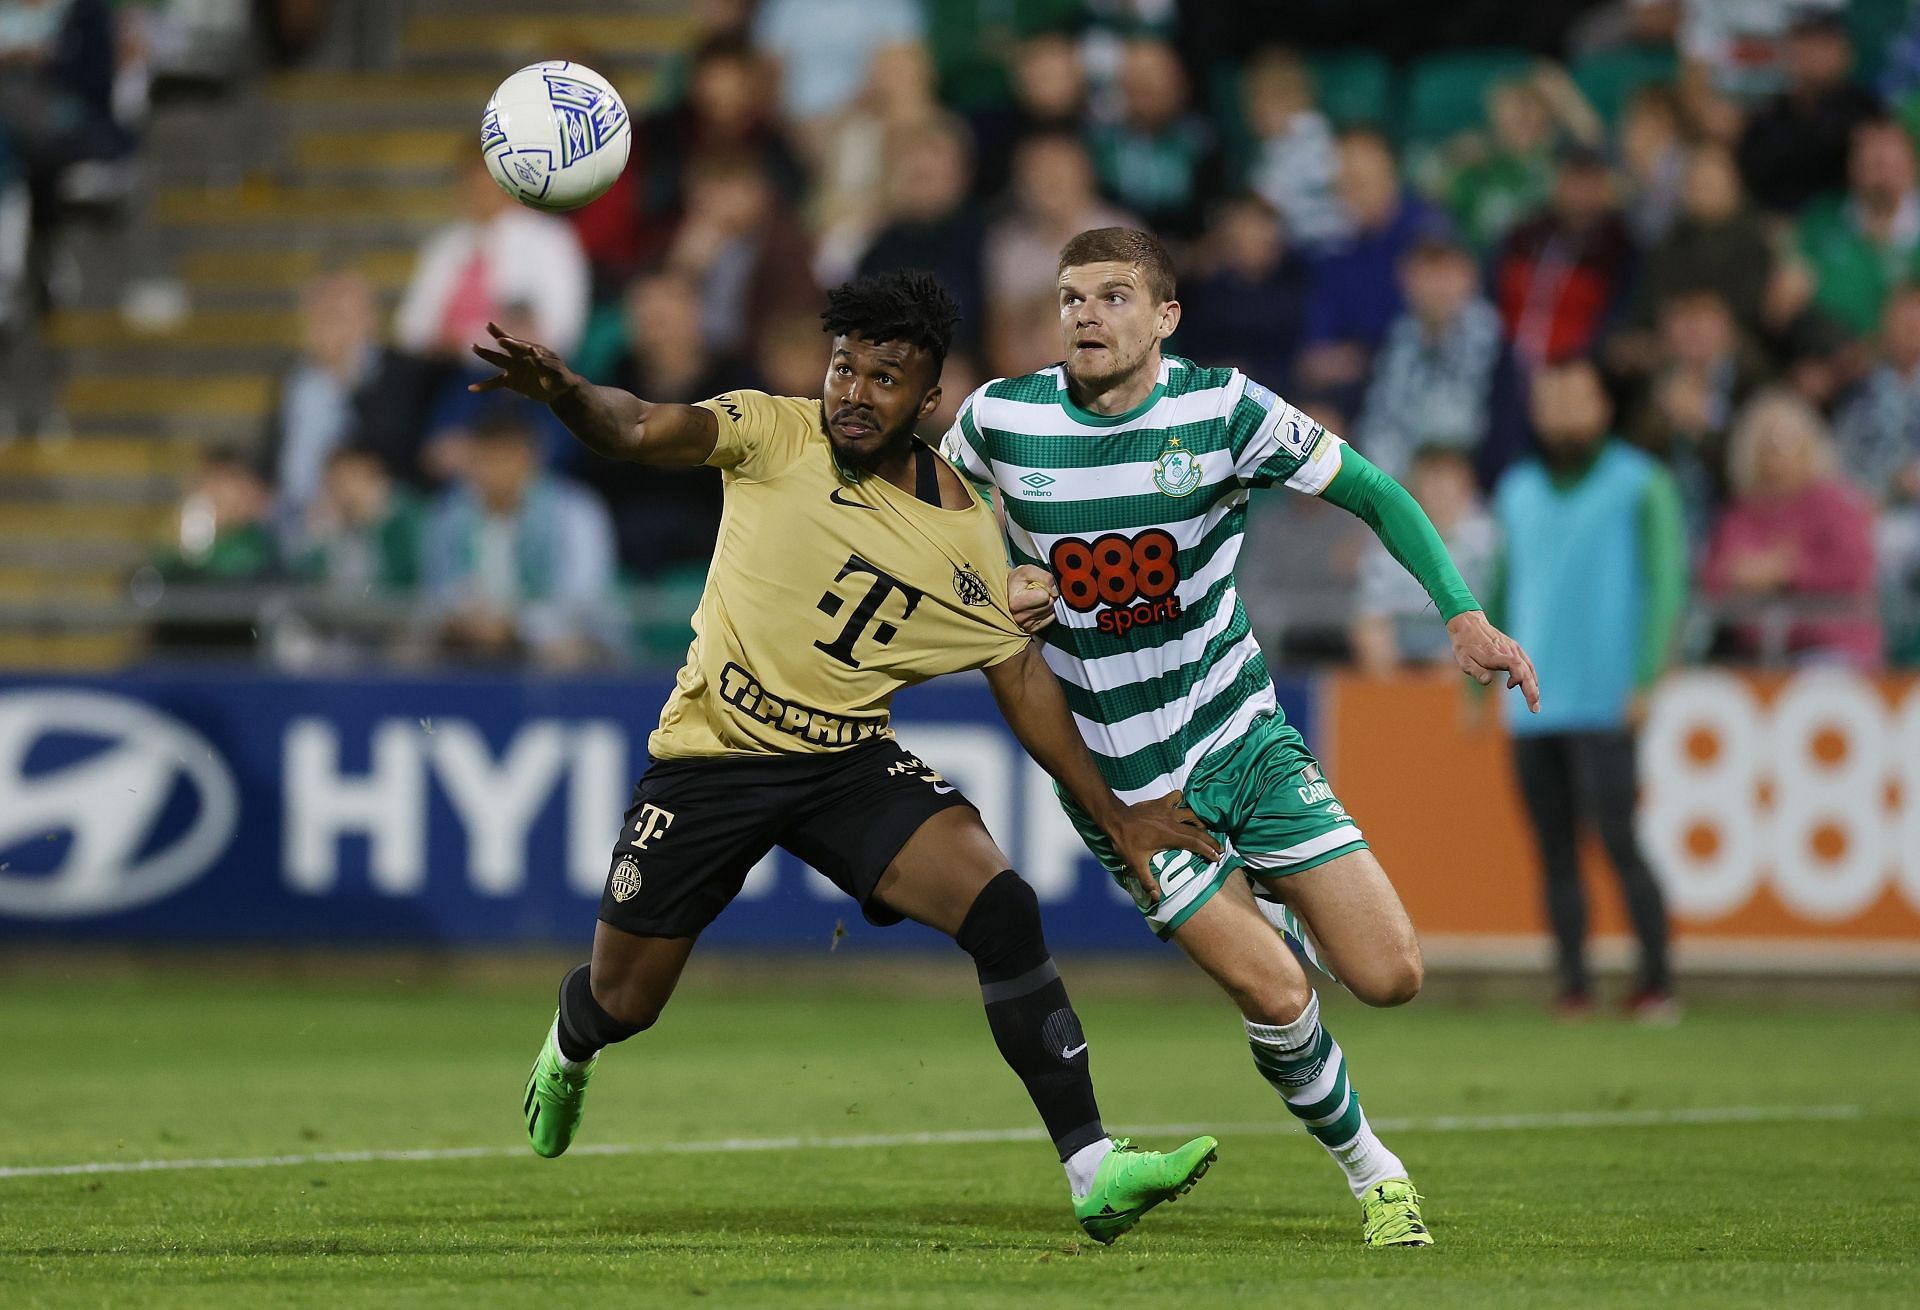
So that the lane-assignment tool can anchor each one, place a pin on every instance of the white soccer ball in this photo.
(555, 135)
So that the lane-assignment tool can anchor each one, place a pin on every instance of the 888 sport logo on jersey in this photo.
(1130, 580)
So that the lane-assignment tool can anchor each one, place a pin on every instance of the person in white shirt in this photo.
(497, 254)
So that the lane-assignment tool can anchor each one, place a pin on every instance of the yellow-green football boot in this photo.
(1390, 1215)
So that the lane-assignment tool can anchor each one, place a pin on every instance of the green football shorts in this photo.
(1263, 797)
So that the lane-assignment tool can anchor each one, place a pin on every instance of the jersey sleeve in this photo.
(759, 436)
(1273, 442)
(964, 446)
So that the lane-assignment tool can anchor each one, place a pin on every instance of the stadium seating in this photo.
(175, 344)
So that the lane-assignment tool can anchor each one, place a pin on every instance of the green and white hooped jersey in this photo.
(1140, 517)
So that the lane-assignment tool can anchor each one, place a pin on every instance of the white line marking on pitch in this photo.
(1450, 1123)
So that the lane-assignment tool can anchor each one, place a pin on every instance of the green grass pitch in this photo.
(1617, 1203)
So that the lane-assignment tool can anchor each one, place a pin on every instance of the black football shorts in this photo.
(698, 826)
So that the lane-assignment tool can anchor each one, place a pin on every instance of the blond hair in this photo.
(1776, 415)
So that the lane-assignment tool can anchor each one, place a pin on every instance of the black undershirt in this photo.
(926, 475)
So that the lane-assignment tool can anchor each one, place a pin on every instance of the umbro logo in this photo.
(834, 496)
(1037, 480)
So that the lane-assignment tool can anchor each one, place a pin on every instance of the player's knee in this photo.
(1002, 928)
(1394, 980)
(627, 1002)
(1273, 1001)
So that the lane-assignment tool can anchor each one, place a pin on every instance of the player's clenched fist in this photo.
(1032, 592)
(525, 366)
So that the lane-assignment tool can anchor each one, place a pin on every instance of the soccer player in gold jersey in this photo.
(851, 561)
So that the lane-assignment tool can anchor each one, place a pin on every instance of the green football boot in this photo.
(1130, 1182)
(556, 1098)
(1390, 1216)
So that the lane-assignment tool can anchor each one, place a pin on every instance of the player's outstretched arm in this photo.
(1030, 700)
(608, 421)
(1481, 650)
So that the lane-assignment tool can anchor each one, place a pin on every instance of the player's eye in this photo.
(1116, 298)
(842, 370)
(885, 379)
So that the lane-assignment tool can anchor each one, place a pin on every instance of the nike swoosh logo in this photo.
(834, 496)
(942, 788)
(1072, 1051)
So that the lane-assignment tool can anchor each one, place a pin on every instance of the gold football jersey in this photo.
(825, 595)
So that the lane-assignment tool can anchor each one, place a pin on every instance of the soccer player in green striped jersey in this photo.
(1123, 473)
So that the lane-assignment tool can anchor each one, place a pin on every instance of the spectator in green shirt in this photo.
(1862, 243)
(363, 533)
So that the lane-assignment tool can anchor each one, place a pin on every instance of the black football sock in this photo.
(584, 1026)
(1032, 1020)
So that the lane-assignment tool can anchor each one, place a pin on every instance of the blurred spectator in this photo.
(850, 198)
(1795, 531)
(498, 254)
(454, 410)
(1246, 305)
(747, 253)
(981, 43)
(1290, 157)
(825, 47)
(1625, 25)
(223, 532)
(788, 359)
(1528, 117)
(1653, 156)
(1027, 334)
(1558, 276)
(1591, 582)
(345, 387)
(1298, 570)
(1393, 619)
(1445, 376)
(932, 222)
(1821, 361)
(223, 541)
(1861, 244)
(1053, 200)
(519, 561)
(1878, 433)
(363, 532)
(728, 109)
(16, 234)
(1718, 245)
(1049, 95)
(1795, 145)
(662, 516)
(1354, 288)
(1707, 375)
(57, 67)
(1741, 46)
(1158, 160)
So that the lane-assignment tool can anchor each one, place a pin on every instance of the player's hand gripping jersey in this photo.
(1140, 518)
(827, 594)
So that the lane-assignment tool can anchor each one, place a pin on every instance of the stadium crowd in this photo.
(1712, 203)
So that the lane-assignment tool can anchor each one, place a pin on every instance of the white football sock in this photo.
(1084, 1163)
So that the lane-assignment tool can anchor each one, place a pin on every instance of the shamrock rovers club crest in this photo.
(1177, 471)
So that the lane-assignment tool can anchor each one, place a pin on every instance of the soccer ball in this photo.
(555, 135)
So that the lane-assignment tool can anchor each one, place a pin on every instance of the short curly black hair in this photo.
(907, 305)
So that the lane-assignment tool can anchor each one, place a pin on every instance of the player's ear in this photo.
(1169, 320)
(930, 401)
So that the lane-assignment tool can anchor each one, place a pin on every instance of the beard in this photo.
(865, 458)
(1100, 377)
